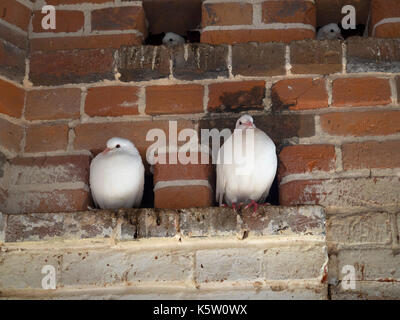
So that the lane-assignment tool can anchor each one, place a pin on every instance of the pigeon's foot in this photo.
(252, 204)
(234, 206)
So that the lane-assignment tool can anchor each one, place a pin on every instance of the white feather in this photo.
(329, 32)
(234, 186)
(117, 177)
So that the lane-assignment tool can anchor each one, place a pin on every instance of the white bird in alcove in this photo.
(117, 176)
(245, 178)
(329, 32)
(173, 39)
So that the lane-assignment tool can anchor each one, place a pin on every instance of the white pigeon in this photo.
(249, 183)
(173, 39)
(117, 176)
(329, 32)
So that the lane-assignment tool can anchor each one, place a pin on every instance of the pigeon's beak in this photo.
(340, 37)
(249, 124)
(106, 150)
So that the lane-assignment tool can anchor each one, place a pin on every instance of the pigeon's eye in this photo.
(240, 122)
(170, 39)
(118, 146)
(332, 30)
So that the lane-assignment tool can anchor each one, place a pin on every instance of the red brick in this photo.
(306, 158)
(42, 138)
(361, 92)
(10, 135)
(52, 104)
(183, 197)
(66, 21)
(236, 96)
(388, 30)
(47, 201)
(361, 123)
(255, 35)
(14, 37)
(119, 18)
(85, 42)
(93, 136)
(58, 2)
(299, 94)
(226, 14)
(371, 154)
(179, 171)
(74, 66)
(185, 98)
(382, 9)
(58, 169)
(289, 12)
(15, 13)
(11, 99)
(112, 101)
(12, 61)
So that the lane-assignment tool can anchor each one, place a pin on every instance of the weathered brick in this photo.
(299, 94)
(236, 96)
(199, 61)
(112, 101)
(361, 228)
(2, 227)
(66, 21)
(140, 63)
(85, 42)
(289, 12)
(266, 59)
(226, 14)
(13, 37)
(373, 55)
(60, 2)
(316, 56)
(15, 13)
(46, 170)
(12, 61)
(383, 10)
(177, 197)
(361, 123)
(306, 158)
(61, 67)
(42, 138)
(360, 92)
(257, 35)
(155, 223)
(65, 226)
(71, 200)
(351, 192)
(10, 135)
(371, 154)
(11, 99)
(384, 289)
(52, 104)
(388, 30)
(119, 18)
(185, 98)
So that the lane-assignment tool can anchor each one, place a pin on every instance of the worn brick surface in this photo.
(289, 12)
(388, 30)
(372, 227)
(60, 2)
(85, 42)
(2, 227)
(306, 158)
(66, 21)
(41, 170)
(185, 98)
(13, 37)
(52, 104)
(373, 55)
(236, 96)
(10, 135)
(119, 18)
(256, 35)
(15, 13)
(299, 94)
(371, 154)
(176, 197)
(199, 61)
(139, 63)
(155, 223)
(76, 66)
(360, 92)
(316, 56)
(361, 123)
(41, 138)
(382, 10)
(11, 99)
(12, 61)
(350, 192)
(226, 14)
(267, 59)
(112, 101)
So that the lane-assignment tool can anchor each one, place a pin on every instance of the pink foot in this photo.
(252, 204)
(234, 206)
